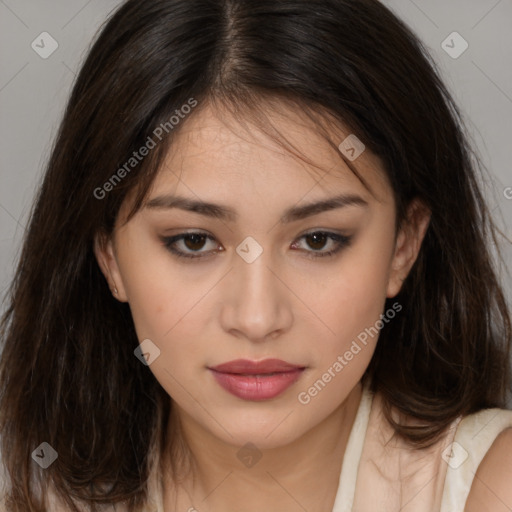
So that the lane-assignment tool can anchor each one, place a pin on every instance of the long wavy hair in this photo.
(68, 375)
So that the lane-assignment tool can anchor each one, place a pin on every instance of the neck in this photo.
(224, 477)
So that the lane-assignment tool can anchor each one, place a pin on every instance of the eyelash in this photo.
(342, 241)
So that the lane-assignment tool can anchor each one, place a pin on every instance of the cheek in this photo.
(150, 302)
(166, 308)
(355, 298)
(157, 292)
(165, 315)
(147, 280)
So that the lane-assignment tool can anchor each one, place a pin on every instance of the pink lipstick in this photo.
(256, 380)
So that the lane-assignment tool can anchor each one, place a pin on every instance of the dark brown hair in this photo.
(68, 375)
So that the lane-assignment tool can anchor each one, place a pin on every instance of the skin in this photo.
(491, 490)
(285, 305)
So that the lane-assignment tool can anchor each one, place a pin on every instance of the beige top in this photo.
(390, 477)
(387, 475)
(384, 474)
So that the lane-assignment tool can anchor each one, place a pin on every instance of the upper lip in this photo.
(246, 366)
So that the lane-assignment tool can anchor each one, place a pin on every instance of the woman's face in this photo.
(266, 277)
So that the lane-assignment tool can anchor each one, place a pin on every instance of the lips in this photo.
(245, 366)
(256, 380)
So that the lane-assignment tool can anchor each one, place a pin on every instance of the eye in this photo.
(193, 242)
(317, 240)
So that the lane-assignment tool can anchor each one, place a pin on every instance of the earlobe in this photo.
(106, 258)
(408, 245)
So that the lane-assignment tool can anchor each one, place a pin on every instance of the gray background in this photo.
(33, 92)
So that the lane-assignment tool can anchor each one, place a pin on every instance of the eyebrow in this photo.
(224, 213)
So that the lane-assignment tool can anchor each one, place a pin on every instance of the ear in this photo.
(106, 257)
(408, 245)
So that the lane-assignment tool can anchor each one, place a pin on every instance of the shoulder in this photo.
(491, 490)
(479, 463)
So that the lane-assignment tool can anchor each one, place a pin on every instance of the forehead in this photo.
(217, 157)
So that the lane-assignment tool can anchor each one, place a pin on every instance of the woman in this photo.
(257, 276)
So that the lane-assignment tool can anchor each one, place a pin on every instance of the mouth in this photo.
(256, 380)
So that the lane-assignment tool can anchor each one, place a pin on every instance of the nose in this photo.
(256, 303)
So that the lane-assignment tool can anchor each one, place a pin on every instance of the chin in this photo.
(265, 433)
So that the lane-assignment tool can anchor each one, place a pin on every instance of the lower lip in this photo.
(257, 387)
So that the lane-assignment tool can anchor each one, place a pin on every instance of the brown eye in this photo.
(194, 241)
(186, 244)
(317, 240)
